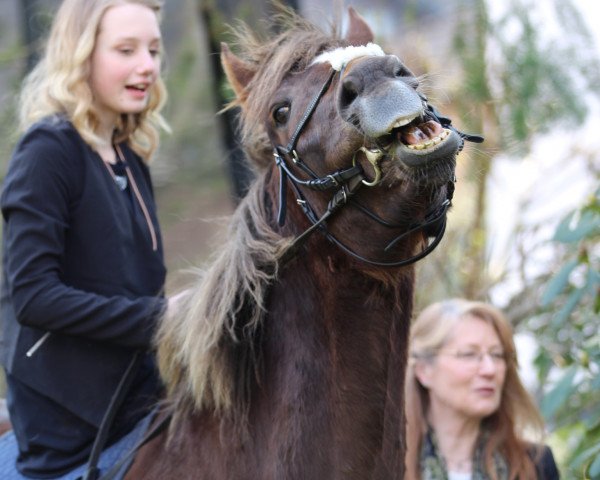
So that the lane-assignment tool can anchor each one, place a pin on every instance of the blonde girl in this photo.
(83, 267)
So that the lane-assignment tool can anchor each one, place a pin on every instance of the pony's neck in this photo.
(336, 352)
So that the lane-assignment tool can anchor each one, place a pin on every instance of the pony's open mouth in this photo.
(418, 136)
(423, 142)
(421, 137)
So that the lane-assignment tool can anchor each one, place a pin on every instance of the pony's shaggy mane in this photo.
(206, 348)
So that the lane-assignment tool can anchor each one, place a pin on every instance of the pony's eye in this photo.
(281, 114)
(403, 71)
(409, 77)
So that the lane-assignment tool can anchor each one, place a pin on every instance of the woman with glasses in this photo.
(467, 410)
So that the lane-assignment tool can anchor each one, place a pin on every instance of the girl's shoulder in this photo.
(55, 127)
(51, 150)
(53, 139)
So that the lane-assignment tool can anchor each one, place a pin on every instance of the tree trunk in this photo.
(210, 14)
(33, 30)
(238, 170)
(482, 119)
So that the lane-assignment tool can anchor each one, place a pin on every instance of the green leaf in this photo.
(593, 281)
(558, 283)
(595, 467)
(587, 223)
(592, 421)
(559, 394)
(595, 384)
(586, 454)
(565, 312)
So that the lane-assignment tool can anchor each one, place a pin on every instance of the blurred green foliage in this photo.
(569, 337)
(538, 86)
(518, 81)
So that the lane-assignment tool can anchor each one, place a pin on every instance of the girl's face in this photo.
(125, 62)
(467, 375)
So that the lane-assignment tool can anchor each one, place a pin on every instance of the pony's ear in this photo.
(359, 33)
(239, 73)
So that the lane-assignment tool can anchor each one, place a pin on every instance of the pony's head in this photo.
(319, 105)
(372, 101)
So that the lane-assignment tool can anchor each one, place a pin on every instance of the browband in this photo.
(340, 57)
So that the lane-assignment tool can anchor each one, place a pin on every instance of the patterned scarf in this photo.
(433, 465)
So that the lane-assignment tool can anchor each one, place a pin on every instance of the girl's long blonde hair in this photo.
(507, 426)
(59, 84)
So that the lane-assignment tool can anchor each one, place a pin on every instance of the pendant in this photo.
(121, 181)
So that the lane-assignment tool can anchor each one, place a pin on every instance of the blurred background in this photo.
(525, 228)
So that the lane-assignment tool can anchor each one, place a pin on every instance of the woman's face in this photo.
(125, 62)
(467, 375)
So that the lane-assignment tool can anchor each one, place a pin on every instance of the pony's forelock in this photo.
(340, 57)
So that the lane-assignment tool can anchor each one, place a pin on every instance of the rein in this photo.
(92, 471)
(347, 182)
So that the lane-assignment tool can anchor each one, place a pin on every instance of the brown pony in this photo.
(287, 359)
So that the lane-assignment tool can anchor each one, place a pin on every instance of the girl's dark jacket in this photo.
(79, 262)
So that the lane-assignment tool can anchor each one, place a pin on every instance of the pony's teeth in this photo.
(430, 143)
(403, 121)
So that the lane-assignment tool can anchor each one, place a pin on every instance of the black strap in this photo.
(93, 472)
(116, 468)
(339, 199)
(291, 146)
(400, 263)
(329, 182)
(435, 217)
(447, 123)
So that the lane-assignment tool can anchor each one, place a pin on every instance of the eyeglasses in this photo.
(475, 357)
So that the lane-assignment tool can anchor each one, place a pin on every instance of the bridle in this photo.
(346, 183)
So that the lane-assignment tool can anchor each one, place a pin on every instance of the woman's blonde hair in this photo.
(517, 414)
(59, 84)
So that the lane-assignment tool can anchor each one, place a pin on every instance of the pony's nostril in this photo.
(349, 92)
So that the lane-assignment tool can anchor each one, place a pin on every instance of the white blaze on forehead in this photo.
(340, 57)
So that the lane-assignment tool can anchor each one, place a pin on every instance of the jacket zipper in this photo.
(37, 345)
